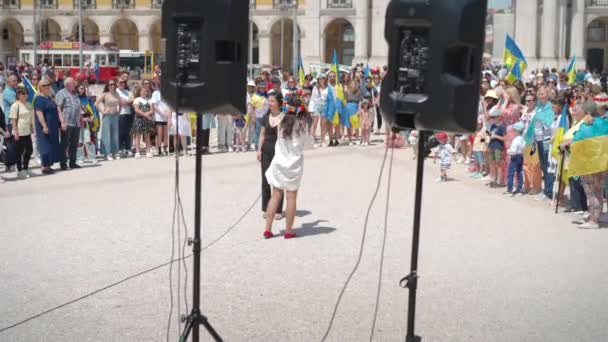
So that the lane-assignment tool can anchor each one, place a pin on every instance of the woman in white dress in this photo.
(287, 166)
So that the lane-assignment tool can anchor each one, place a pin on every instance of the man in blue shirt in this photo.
(9, 96)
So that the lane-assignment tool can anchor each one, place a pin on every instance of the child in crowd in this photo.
(412, 139)
(365, 120)
(395, 139)
(240, 133)
(480, 146)
(516, 152)
(444, 152)
(496, 146)
(179, 129)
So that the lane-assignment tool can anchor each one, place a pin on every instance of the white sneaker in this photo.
(467, 161)
(22, 175)
(30, 173)
(137, 155)
(109, 158)
(117, 156)
(230, 149)
(589, 225)
(129, 154)
(149, 155)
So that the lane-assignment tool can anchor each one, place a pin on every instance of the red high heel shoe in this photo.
(289, 235)
(268, 235)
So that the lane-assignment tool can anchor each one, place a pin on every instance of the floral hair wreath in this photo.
(293, 110)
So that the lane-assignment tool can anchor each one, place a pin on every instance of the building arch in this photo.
(155, 36)
(340, 36)
(11, 39)
(286, 26)
(48, 30)
(90, 32)
(596, 45)
(125, 34)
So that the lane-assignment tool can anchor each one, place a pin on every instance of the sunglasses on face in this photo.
(112, 84)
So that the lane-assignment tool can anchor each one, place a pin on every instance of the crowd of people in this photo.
(514, 147)
(518, 144)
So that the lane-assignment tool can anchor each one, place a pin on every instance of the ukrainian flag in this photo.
(558, 138)
(301, 74)
(340, 99)
(31, 90)
(571, 71)
(589, 149)
(514, 60)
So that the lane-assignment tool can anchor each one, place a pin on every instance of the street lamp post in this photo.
(35, 50)
(295, 37)
(250, 69)
(80, 33)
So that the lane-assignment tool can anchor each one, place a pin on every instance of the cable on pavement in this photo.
(131, 276)
(363, 237)
(388, 197)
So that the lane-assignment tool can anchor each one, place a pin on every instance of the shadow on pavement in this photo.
(302, 213)
(313, 228)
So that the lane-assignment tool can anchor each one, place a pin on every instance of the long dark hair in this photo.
(294, 119)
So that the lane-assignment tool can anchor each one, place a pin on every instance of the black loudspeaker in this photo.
(205, 55)
(434, 69)
(5, 34)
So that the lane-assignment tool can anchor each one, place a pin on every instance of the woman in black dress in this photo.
(268, 139)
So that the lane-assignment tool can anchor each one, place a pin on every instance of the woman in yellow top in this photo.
(22, 118)
(578, 200)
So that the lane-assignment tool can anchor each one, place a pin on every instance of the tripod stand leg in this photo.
(411, 281)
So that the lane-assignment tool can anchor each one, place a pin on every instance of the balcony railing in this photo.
(284, 4)
(10, 4)
(47, 4)
(339, 3)
(598, 3)
(157, 4)
(86, 4)
(123, 4)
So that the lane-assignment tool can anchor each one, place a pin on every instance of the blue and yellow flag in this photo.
(301, 74)
(340, 99)
(571, 71)
(514, 59)
(544, 113)
(366, 72)
(589, 149)
(31, 90)
(558, 138)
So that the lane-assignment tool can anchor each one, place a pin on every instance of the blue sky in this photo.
(499, 4)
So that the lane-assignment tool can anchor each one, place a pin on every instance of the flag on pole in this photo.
(559, 133)
(589, 149)
(571, 71)
(339, 92)
(31, 90)
(301, 74)
(366, 72)
(514, 59)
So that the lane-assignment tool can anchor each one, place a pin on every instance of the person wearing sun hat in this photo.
(445, 152)
(601, 102)
(516, 163)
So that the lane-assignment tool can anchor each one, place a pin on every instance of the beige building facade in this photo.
(355, 28)
(550, 32)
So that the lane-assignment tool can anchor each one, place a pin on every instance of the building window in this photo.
(86, 4)
(158, 4)
(123, 4)
(599, 2)
(596, 31)
(339, 3)
(285, 3)
(10, 4)
(47, 4)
